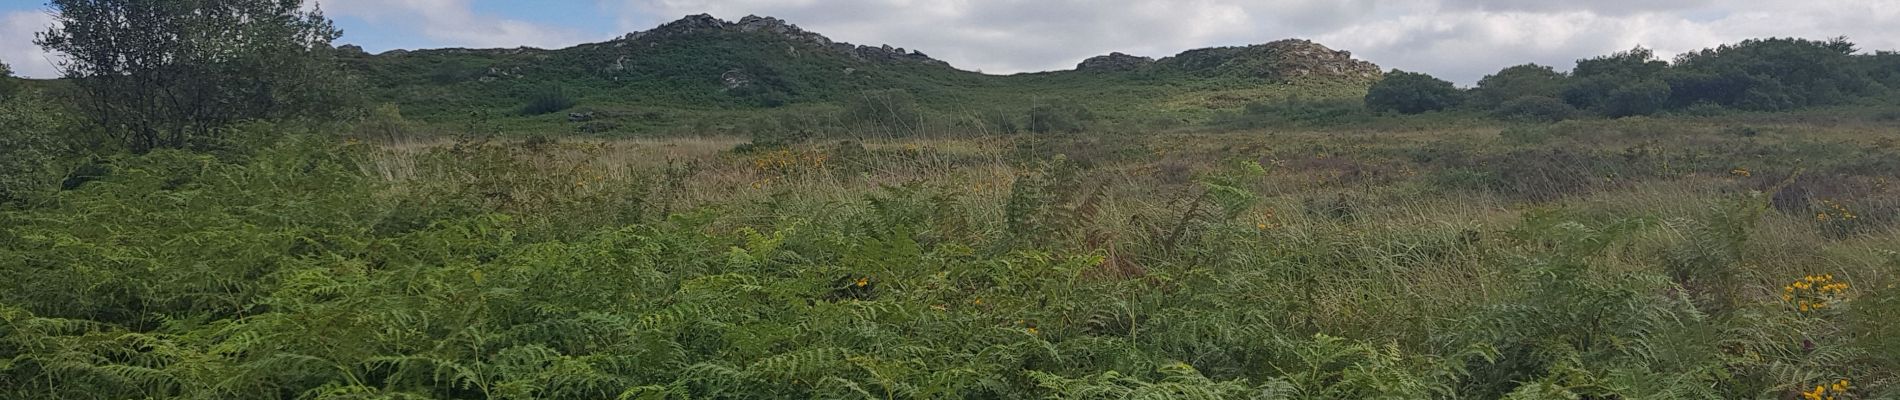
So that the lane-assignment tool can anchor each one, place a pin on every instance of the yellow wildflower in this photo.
(864, 281)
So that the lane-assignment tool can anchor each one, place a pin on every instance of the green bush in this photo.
(1518, 82)
(7, 84)
(1002, 122)
(546, 101)
(890, 112)
(1412, 93)
(1059, 115)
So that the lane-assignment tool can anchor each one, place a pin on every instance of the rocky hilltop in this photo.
(701, 63)
(1291, 59)
(1115, 62)
(707, 24)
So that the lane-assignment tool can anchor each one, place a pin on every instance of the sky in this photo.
(1459, 40)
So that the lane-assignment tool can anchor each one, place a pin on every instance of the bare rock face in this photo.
(1114, 62)
(691, 24)
(1304, 58)
(735, 79)
(775, 26)
(753, 24)
(1288, 60)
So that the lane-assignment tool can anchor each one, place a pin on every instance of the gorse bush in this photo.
(547, 101)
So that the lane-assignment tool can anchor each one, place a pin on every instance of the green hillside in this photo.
(701, 68)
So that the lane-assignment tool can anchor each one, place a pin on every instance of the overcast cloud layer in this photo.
(1460, 40)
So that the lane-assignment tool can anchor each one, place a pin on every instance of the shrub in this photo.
(1535, 108)
(1515, 83)
(1772, 74)
(892, 111)
(7, 85)
(1412, 93)
(547, 100)
(1001, 122)
(451, 73)
(1059, 115)
(1638, 98)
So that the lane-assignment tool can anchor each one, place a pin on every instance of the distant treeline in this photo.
(1774, 74)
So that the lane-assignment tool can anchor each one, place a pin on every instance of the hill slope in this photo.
(702, 68)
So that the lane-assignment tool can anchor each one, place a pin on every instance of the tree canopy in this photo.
(1517, 82)
(1412, 93)
(169, 73)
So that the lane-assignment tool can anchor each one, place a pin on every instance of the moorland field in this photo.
(718, 217)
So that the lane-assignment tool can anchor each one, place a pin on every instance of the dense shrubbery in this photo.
(547, 100)
(1528, 80)
(1412, 93)
(1771, 74)
(1757, 75)
(7, 82)
(888, 112)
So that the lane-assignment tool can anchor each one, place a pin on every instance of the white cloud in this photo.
(453, 23)
(17, 30)
(1461, 40)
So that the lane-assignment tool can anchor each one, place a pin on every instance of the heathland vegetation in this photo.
(749, 210)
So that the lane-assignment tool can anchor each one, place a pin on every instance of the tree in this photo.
(1883, 67)
(1528, 80)
(170, 73)
(6, 80)
(1635, 63)
(1412, 93)
(1619, 85)
(1771, 74)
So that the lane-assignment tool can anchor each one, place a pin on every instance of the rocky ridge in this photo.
(1290, 59)
(707, 24)
(1115, 62)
